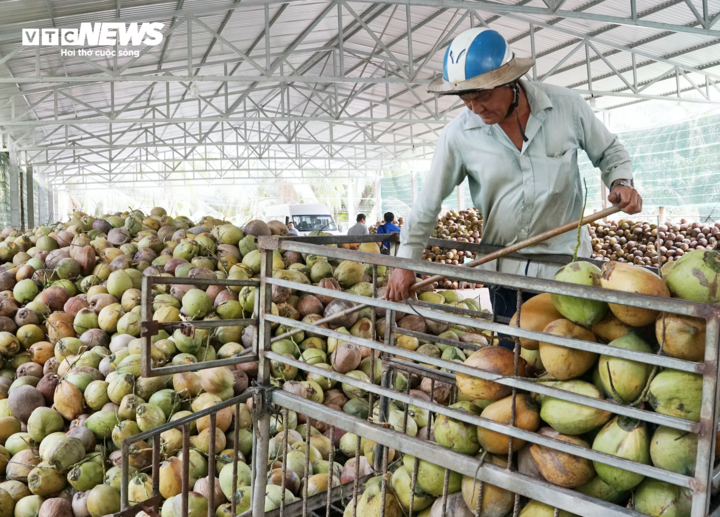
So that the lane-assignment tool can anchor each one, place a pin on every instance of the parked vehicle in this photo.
(307, 218)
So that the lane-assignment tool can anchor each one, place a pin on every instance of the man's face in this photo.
(291, 225)
(490, 105)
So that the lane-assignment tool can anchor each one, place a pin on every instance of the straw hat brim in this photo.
(507, 73)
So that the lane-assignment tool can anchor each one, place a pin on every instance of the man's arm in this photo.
(365, 230)
(610, 156)
(445, 174)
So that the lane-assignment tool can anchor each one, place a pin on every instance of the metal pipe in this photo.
(566, 499)
(492, 425)
(605, 405)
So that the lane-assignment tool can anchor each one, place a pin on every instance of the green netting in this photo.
(675, 166)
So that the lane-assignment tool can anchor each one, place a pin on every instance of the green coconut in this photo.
(42, 422)
(456, 435)
(197, 304)
(102, 424)
(65, 453)
(676, 393)
(623, 379)
(569, 417)
(319, 270)
(431, 477)
(661, 499)
(85, 476)
(625, 438)
(674, 450)
(695, 277)
(597, 488)
(579, 310)
(244, 477)
(349, 273)
(401, 483)
(103, 500)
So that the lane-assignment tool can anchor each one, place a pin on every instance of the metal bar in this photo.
(542, 491)
(539, 388)
(479, 276)
(211, 465)
(185, 468)
(643, 357)
(125, 473)
(708, 422)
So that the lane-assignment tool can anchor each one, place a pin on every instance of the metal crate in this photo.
(507, 478)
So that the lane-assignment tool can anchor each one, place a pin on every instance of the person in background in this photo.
(292, 230)
(388, 227)
(359, 228)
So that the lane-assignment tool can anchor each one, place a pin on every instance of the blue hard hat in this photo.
(479, 59)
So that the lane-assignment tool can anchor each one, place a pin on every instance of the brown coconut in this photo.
(628, 278)
(55, 297)
(346, 358)
(202, 487)
(86, 258)
(561, 468)
(492, 359)
(25, 317)
(292, 480)
(23, 400)
(47, 386)
(328, 283)
(527, 417)
(535, 314)
(75, 305)
(8, 325)
(564, 363)
(440, 391)
(257, 228)
(309, 304)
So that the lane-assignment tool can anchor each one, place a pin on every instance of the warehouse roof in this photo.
(257, 89)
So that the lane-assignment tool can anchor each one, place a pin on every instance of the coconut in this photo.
(495, 360)
(371, 503)
(596, 487)
(625, 438)
(309, 304)
(561, 468)
(538, 509)
(495, 501)
(681, 336)
(579, 310)
(21, 464)
(674, 450)
(694, 277)
(44, 481)
(42, 422)
(402, 487)
(346, 357)
(24, 400)
(103, 500)
(659, 498)
(568, 417)
(65, 453)
(257, 228)
(430, 477)
(625, 380)
(677, 394)
(632, 279)
(535, 314)
(456, 435)
(337, 306)
(85, 436)
(348, 273)
(566, 363)
(527, 417)
(610, 328)
(56, 507)
(328, 283)
(55, 297)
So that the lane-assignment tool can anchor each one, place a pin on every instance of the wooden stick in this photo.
(527, 242)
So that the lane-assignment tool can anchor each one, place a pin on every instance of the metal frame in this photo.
(149, 327)
(701, 485)
(330, 101)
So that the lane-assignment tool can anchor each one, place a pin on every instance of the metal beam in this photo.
(30, 196)
(15, 219)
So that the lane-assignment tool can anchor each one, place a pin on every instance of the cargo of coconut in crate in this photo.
(611, 376)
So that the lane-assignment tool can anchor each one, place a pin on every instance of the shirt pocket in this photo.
(560, 180)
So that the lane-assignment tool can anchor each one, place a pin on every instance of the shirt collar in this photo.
(537, 99)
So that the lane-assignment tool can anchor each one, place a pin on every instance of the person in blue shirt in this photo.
(292, 230)
(388, 227)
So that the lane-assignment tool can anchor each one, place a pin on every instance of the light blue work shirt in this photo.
(520, 193)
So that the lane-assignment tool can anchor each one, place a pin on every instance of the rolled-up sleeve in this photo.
(446, 172)
(602, 147)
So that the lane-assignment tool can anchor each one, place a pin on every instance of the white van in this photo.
(307, 217)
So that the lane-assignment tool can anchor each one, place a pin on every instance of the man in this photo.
(292, 230)
(517, 143)
(359, 227)
(387, 227)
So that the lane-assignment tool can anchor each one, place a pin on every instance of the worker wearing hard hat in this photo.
(517, 144)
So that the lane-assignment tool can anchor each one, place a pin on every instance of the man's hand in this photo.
(398, 287)
(628, 199)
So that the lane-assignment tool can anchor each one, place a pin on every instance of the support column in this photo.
(56, 207)
(378, 200)
(350, 203)
(51, 206)
(14, 191)
(661, 215)
(42, 200)
(30, 191)
(413, 187)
